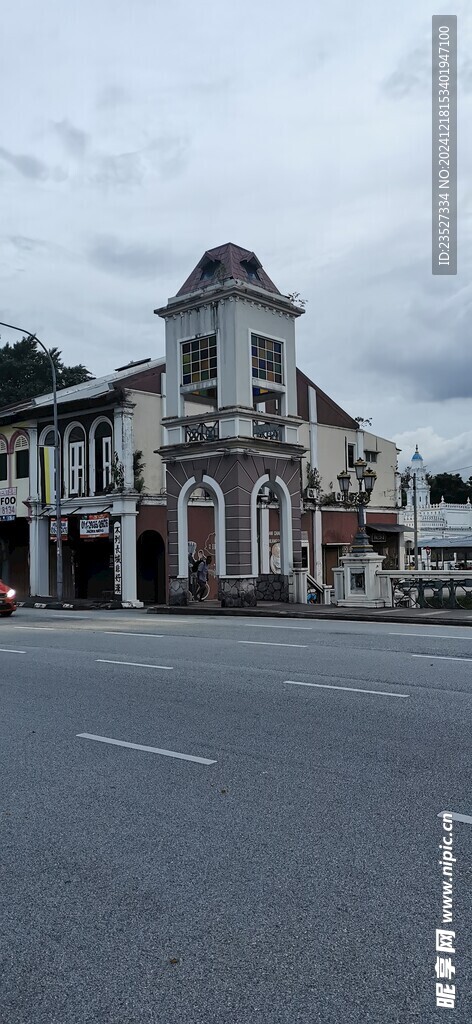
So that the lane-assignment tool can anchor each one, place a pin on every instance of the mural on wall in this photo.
(196, 555)
(274, 551)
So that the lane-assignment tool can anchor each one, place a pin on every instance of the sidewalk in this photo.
(426, 616)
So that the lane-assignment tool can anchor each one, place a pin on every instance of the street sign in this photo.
(117, 557)
(94, 526)
(53, 528)
(7, 504)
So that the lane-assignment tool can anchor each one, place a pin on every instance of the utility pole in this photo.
(415, 521)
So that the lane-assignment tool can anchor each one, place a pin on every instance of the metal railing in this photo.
(202, 432)
(270, 431)
(427, 590)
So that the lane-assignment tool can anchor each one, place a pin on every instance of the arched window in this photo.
(74, 451)
(21, 450)
(103, 451)
(3, 460)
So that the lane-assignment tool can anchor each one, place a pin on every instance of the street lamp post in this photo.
(57, 458)
(366, 479)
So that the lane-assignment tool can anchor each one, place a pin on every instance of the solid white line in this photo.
(8, 650)
(140, 746)
(457, 817)
(267, 643)
(121, 632)
(133, 664)
(440, 657)
(353, 689)
(434, 636)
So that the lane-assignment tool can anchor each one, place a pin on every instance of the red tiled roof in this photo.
(231, 262)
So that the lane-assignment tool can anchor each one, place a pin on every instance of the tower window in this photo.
(250, 266)
(199, 361)
(267, 359)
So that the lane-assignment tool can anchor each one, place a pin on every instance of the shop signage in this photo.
(94, 527)
(117, 557)
(53, 528)
(7, 504)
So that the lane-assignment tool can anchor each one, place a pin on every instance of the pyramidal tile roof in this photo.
(225, 263)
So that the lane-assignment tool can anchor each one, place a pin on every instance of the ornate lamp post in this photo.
(366, 479)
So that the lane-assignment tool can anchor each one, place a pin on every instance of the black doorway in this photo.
(151, 568)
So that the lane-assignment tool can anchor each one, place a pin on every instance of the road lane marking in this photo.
(8, 650)
(457, 817)
(267, 625)
(121, 632)
(440, 657)
(35, 627)
(352, 689)
(140, 746)
(267, 643)
(434, 636)
(133, 664)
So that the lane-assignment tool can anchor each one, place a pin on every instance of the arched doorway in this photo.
(271, 538)
(151, 568)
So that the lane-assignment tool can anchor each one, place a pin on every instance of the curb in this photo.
(341, 615)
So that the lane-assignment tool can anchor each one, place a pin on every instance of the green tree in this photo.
(451, 486)
(25, 372)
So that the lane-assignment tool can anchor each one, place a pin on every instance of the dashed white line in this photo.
(440, 657)
(267, 625)
(351, 689)
(268, 643)
(51, 628)
(121, 632)
(133, 664)
(140, 746)
(8, 650)
(431, 636)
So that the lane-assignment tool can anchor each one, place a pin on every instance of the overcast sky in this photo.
(136, 134)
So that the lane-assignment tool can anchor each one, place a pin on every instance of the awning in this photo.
(455, 543)
(388, 528)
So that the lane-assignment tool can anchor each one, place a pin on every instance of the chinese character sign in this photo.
(117, 557)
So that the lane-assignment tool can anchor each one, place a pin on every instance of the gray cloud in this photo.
(73, 139)
(413, 74)
(27, 166)
(132, 260)
(121, 170)
(112, 96)
(166, 155)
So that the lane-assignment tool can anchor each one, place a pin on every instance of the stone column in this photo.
(38, 552)
(124, 441)
(238, 587)
(124, 508)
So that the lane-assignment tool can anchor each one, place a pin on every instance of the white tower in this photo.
(423, 491)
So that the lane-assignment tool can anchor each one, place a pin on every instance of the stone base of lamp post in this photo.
(356, 584)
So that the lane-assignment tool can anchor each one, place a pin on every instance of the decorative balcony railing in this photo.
(269, 431)
(202, 432)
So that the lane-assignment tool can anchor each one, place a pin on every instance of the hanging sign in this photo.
(64, 528)
(7, 504)
(94, 526)
(117, 557)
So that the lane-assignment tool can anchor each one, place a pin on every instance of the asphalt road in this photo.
(285, 869)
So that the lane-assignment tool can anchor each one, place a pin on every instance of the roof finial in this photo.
(416, 449)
